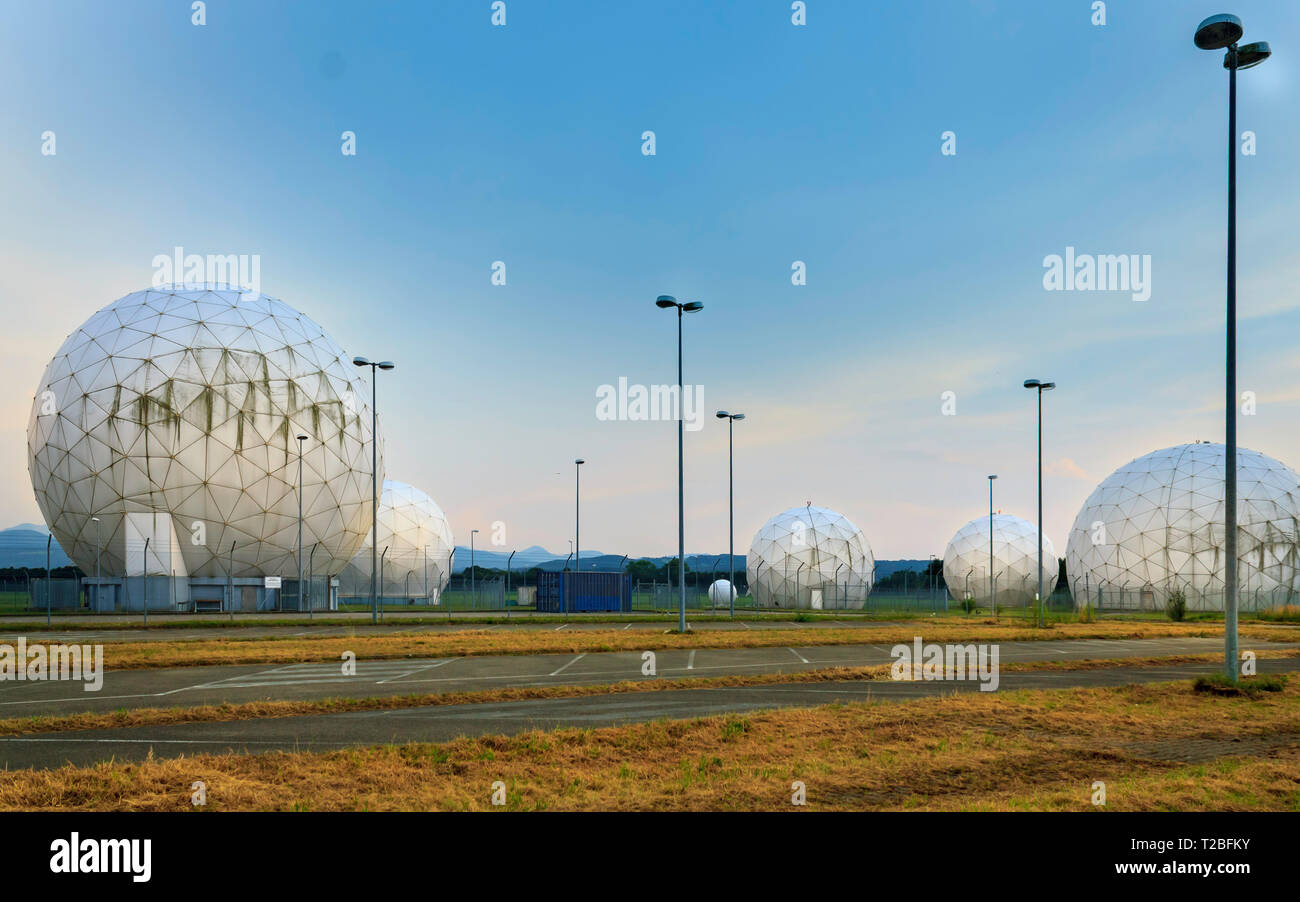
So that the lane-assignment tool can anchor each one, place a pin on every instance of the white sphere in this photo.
(809, 557)
(1015, 561)
(173, 414)
(416, 542)
(721, 593)
(1155, 525)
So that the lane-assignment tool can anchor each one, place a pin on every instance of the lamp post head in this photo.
(993, 476)
(722, 414)
(579, 461)
(302, 438)
(1048, 386)
(692, 306)
(360, 361)
(737, 416)
(1251, 55)
(1218, 32)
(386, 365)
(665, 301)
(94, 519)
(1032, 383)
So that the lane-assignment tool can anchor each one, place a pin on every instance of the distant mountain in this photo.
(24, 546)
(533, 556)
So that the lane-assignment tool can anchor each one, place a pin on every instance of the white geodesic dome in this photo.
(1156, 525)
(171, 415)
(1015, 561)
(416, 542)
(809, 557)
(721, 593)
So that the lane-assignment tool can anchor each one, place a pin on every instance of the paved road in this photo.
(364, 628)
(435, 724)
(187, 686)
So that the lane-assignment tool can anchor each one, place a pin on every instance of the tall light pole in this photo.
(1041, 387)
(731, 503)
(1218, 33)
(311, 560)
(665, 302)
(473, 585)
(993, 603)
(577, 513)
(374, 479)
(301, 439)
(95, 520)
(230, 579)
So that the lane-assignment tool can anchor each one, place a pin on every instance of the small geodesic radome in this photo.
(809, 557)
(415, 547)
(1156, 525)
(1015, 562)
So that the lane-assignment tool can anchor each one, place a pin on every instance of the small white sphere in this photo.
(722, 593)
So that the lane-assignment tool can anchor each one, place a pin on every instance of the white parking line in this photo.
(690, 660)
(567, 666)
(416, 670)
(799, 656)
(560, 627)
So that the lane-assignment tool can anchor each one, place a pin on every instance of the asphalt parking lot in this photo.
(311, 681)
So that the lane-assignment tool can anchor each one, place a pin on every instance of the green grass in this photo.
(1252, 687)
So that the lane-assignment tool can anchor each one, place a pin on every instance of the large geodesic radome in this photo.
(1015, 561)
(809, 557)
(416, 543)
(1156, 525)
(171, 416)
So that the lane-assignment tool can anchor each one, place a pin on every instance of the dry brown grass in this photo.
(1010, 750)
(233, 650)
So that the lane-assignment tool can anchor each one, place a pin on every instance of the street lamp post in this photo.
(311, 561)
(98, 587)
(665, 302)
(301, 439)
(230, 579)
(473, 585)
(731, 503)
(374, 478)
(577, 514)
(1041, 387)
(992, 600)
(1218, 33)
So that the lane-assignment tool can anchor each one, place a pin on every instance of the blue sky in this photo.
(775, 143)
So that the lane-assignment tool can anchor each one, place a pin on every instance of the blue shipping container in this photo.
(576, 593)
